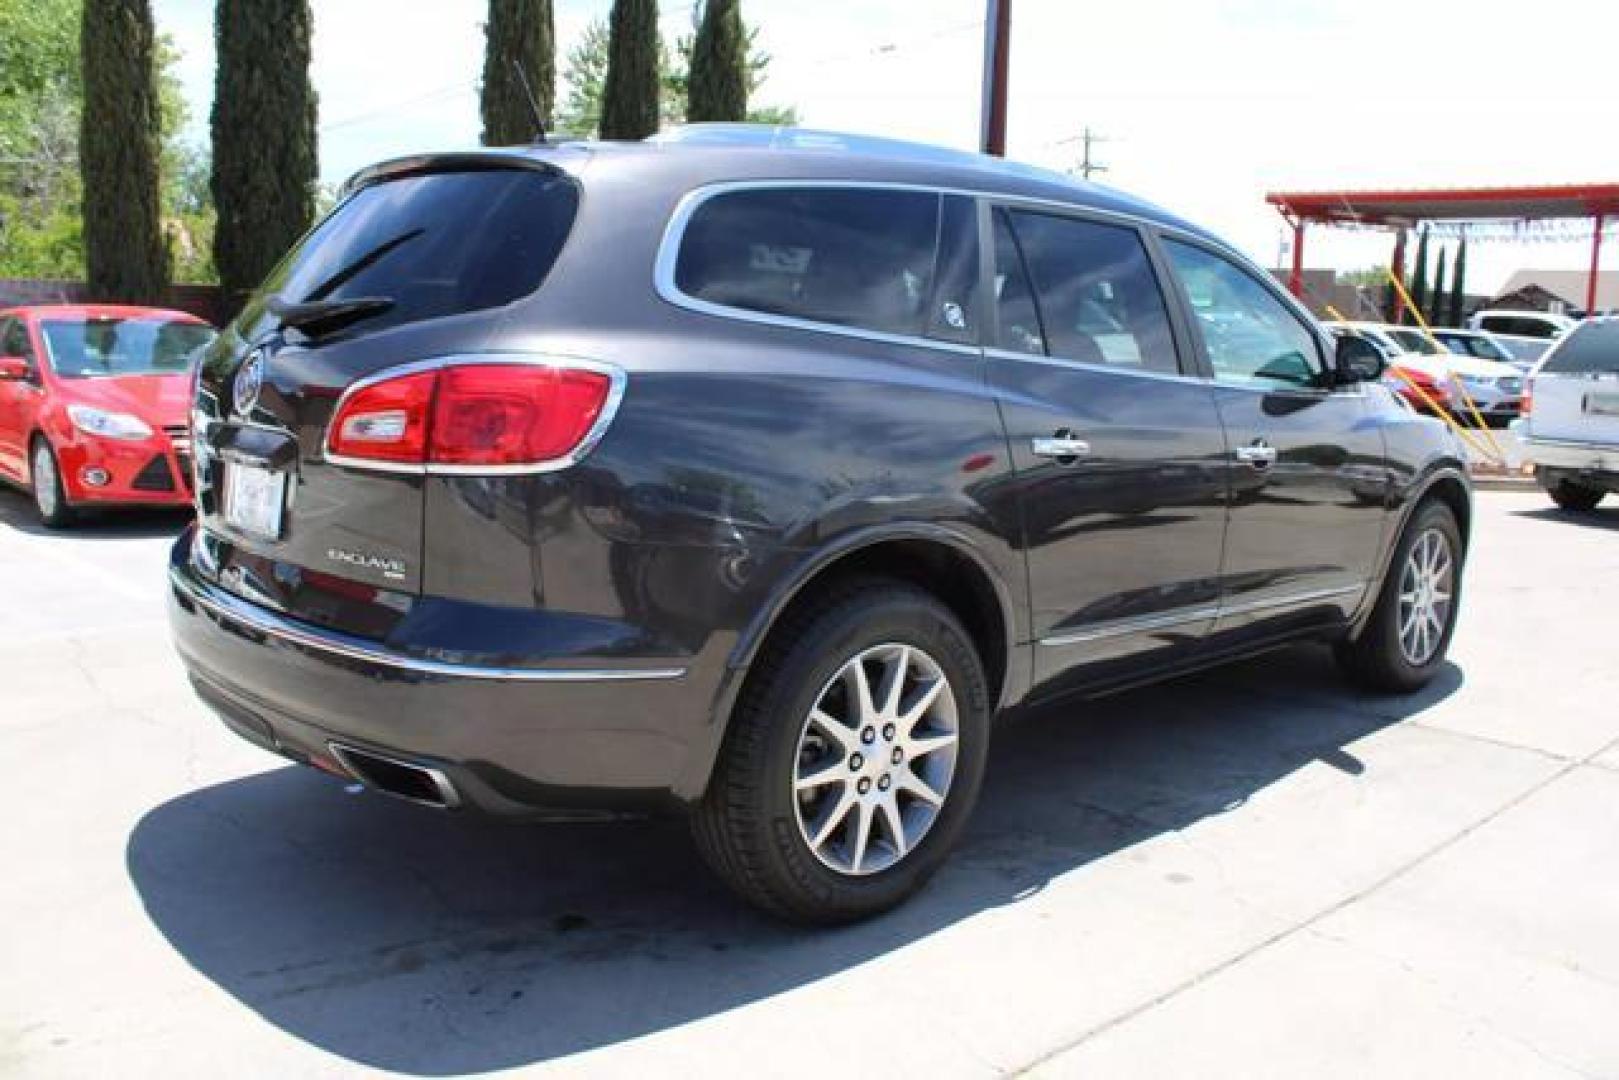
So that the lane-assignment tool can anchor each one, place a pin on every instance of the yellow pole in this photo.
(1335, 313)
(1467, 398)
(1440, 411)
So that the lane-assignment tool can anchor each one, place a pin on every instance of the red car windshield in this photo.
(96, 347)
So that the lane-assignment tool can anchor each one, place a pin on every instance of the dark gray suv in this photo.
(752, 473)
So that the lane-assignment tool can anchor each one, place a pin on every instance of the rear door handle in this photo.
(1059, 446)
(1259, 453)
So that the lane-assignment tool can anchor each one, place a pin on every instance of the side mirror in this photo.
(14, 369)
(1358, 361)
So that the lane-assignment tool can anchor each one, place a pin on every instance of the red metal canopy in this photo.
(1402, 208)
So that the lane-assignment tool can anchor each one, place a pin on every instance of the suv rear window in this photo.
(1591, 348)
(434, 243)
(854, 257)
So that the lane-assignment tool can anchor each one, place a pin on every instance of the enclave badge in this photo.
(393, 569)
(245, 388)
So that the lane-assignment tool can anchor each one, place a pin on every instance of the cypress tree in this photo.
(1419, 274)
(1436, 303)
(630, 95)
(265, 153)
(519, 32)
(118, 153)
(717, 87)
(1458, 283)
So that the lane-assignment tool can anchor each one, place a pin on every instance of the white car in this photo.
(1496, 387)
(1570, 431)
(1525, 334)
(1481, 344)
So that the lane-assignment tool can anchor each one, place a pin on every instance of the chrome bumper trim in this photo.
(1120, 627)
(231, 609)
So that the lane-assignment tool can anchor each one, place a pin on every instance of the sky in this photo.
(1205, 106)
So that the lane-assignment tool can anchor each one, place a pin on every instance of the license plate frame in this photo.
(255, 500)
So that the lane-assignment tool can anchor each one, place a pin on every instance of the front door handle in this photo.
(1259, 453)
(1061, 445)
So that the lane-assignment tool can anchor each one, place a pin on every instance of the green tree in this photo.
(1458, 284)
(264, 141)
(717, 87)
(119, 146)
(519, 32)
(1418, 285)
(631, 91)
(1436, 302)
(586, 72)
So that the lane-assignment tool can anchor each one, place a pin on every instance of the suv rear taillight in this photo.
(474, 416)
(1528, 397)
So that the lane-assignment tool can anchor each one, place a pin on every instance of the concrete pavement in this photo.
(1254, 872)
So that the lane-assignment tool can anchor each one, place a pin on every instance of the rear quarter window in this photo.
(435, 244)
(861, 258)
(1592, 349)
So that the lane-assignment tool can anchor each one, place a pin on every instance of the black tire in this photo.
(1575, 497)
(1376, 659)
(747, 825)
(50, 501)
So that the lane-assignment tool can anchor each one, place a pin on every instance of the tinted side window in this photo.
(435, 244)
(1592, 348)
(852, 257)
(1098, 299)
(953, 313)
(14, 340)
(1250, 335)
(1017, 323)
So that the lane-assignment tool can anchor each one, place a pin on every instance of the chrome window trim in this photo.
(224, 606)
(1120, 627)
(615, 396)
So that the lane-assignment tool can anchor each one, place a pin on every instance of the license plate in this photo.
(253, 500)
(1602, 404)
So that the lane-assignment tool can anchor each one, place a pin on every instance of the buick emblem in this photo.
(245, 390)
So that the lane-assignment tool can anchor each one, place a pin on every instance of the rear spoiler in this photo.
(469, 161)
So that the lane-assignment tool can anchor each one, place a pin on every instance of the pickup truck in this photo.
(1570, 426)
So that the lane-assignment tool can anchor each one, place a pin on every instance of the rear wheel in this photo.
(1577, 497)
(854, 757)
(1403, 644)
(50, 501)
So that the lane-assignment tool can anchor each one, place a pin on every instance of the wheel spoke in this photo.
(894, 825)
(829, 773)
(865, 709)
(924, 701)
(893, 683)
(847, 738)
(922, 745)
(864, 814)
(914, 785)
(834, 817)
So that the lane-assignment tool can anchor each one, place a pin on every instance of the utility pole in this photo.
(997, 52)
(1088, 166)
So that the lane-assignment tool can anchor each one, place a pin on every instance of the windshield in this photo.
(1414, 341)
(1592, 349)
(89, 348)
(1468, 345)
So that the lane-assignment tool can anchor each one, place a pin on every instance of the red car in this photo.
(1405, 380)
(93, 404)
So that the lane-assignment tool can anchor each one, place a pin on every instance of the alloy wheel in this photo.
(876, 757)
(45, 485)
(1427, 585)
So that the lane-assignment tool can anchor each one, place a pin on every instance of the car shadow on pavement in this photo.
(431, 944)
(1603, 517)
(17, 512)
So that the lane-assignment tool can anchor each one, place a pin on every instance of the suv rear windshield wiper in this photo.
(316, 317)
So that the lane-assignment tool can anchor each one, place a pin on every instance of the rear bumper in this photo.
(1574, 457)
(522, 742)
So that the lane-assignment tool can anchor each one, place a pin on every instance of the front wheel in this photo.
(50, 501)
(853, 759)
(1403, 644)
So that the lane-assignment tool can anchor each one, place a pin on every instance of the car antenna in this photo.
(533, 104)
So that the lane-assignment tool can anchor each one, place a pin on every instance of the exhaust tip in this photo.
(407, 780)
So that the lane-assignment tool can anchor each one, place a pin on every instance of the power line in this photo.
(386, 110)
(1088, 165)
